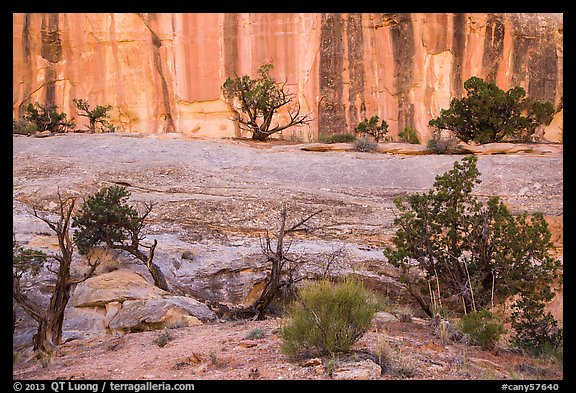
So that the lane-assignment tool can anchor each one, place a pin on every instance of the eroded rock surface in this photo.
(215, 199)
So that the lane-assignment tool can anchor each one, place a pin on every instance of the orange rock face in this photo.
(163, 72)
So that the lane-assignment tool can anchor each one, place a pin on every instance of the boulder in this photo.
(152, 314)
(115, 286)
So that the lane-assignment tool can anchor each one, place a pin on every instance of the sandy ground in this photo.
(225, 351)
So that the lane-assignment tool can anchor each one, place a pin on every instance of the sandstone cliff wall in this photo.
(163, 72)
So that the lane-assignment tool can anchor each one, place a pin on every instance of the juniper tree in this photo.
(96, 115)
(27, 262)
(47, 118)
(106, 218)
(372, 128)
(489, 114)
(479, 253)
(255, 102)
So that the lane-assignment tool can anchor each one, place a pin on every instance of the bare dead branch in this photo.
(32, 308)
(92, 264)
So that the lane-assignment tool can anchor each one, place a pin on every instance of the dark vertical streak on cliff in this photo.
(230, 44)
(543, 71)
(534, 58)
(331, 117)
(27, 60)
(458, 44)
(403, 50)
(230, 37)
(356, 66)
(519, 58)
(520, 46)
(493, 47)
(50, 50)
(156, 45)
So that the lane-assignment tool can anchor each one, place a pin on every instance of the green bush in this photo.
(408, 134)
(96, 115)
(327, 317)
(162, 339)
(255, 334)
(47, 118)
(483, 327)
(536, 331)
(23, 127)
(488, 114)
(372, 128)
(478, 252)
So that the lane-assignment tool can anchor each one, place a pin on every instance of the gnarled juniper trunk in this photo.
(260, 136)
(155, 272)
(51, 320)
(49, 333)
(133, 248)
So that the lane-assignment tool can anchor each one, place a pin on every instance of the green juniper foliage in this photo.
(536, 331)
(372, 128)
(488, 114)
(96, 115)
(105, 217)
(47, 118)
(26, 260)
(409, 134)
(255, 101)
(480, 253)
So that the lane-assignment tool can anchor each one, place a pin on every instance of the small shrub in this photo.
(328, 317)
(440, 144)
(96, 115)
(215, 360)
(255, 334)
(409, 135)
(445, 331)
(483, 327)
(372, 128)
(404, 314)
(337, 138)
(384, 354)
(109, 128)
(365, 145)
(47, 118)
(536, 331)
(331, 365)
(23, 127)
(162, 339)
